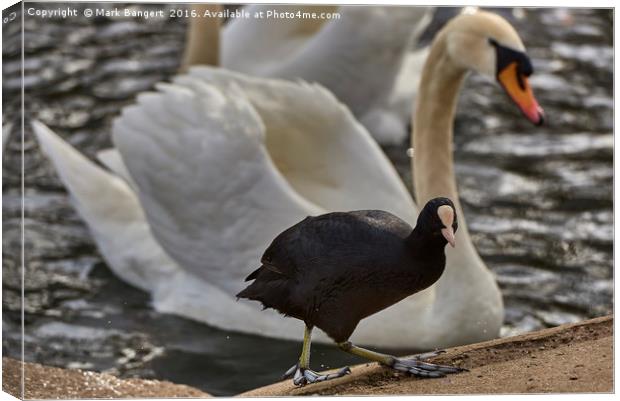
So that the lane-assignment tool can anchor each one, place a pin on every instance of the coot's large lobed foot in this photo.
(302, 376)
(424, 369)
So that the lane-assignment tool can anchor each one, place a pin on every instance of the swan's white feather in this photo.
(208, 187)
(112, 212)
(121, 231)
(389, 119)
(318, 145)
(403, 96)
(112, 159)
(357, 57)
(271, 42)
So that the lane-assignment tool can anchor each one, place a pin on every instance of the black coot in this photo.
(333, 270)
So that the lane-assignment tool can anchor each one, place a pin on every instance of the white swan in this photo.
(241, 134)
(217, 171)
(357, 56)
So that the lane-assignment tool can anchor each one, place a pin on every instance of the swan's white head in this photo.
(487, 43)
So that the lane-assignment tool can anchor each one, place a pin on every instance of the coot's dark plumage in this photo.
(333, 270)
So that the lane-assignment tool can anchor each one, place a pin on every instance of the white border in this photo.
(496, 3)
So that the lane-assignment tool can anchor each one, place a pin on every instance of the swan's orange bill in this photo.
(519, 90)
(448, 234)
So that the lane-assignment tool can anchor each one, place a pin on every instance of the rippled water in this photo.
(538, 199)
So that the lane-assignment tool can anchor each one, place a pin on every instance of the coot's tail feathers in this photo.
(244, 293)
(255, 292)
(268, 267)
(272, 290)
(253, 275)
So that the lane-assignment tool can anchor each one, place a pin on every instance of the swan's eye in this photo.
(507, 56)
(513, 68)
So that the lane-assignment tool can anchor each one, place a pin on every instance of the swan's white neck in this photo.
(433, 171)
(202, 38)
(432, 136)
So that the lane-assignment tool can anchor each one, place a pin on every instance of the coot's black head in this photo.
(438, 219)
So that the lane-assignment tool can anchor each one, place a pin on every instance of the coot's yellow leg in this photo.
(301, 372)
(414, 366)
(304, 359)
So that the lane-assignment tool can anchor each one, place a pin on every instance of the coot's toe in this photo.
(423, 369)
(302, 376)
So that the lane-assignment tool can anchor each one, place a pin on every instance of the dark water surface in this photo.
(538, 199)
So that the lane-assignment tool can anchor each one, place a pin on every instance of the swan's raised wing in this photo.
(358, 56)
(405, 89)
(119, 227)
(319, 147)
(389, 118)
(211, 193)
(112, 212)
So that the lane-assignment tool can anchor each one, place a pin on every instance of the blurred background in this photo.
(538, 199)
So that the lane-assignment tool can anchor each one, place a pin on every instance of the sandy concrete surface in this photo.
(564, 359)
(45, 382)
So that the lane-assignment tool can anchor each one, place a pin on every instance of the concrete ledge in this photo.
(46, 382)
(565, 359)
